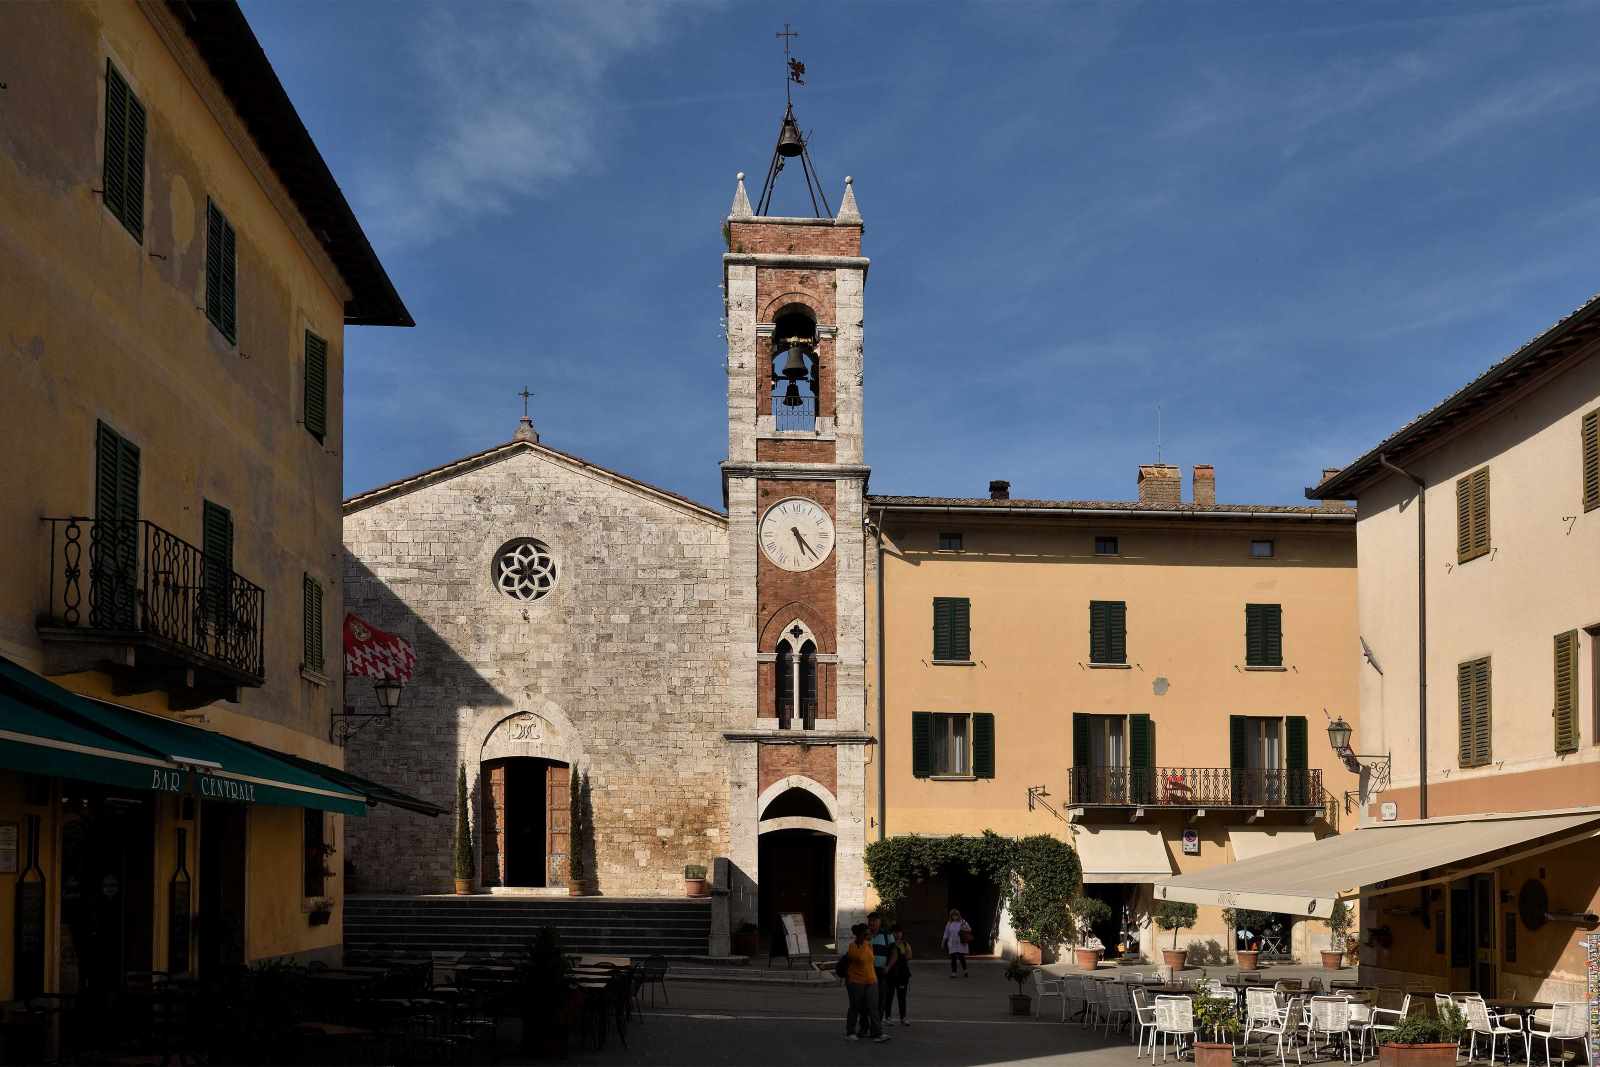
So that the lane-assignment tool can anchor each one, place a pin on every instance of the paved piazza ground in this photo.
(954, 1021)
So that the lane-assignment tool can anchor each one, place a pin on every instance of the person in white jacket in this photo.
(957, 940)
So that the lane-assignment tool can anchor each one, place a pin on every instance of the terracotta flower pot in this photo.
(1087, 958)
(1332, 960)
(1030, 953)
(696, 887)
(1021, 1004)
(463, 887)
(1249, 959)
(1175, 958)
(1417, 1055)
(1212, 1054)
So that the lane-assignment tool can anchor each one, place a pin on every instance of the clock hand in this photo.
(796, 531)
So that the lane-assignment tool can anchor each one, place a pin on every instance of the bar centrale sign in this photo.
(207, 785)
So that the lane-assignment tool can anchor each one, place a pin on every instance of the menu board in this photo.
(794, 934)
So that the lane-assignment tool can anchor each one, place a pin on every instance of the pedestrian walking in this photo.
(899, 976)
(882, 948)
(957, 942)
(861, 985)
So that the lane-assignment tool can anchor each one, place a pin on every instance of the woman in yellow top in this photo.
(860, 983)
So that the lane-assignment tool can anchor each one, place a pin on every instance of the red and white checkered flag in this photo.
(371, 653)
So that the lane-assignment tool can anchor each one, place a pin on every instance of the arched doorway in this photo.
(795, 858)
(524, 823)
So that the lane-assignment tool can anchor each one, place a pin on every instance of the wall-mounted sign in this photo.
(1191, 842)
(8, 847)
(1388, 811)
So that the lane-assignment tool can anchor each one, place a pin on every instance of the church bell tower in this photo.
(795, 483)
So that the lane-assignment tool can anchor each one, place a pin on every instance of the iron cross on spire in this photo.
(797, 69)
(525, 394)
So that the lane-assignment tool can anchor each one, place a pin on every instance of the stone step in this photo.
(445, 924)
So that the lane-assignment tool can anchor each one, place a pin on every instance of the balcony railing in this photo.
(133, 580)
(1196, 787)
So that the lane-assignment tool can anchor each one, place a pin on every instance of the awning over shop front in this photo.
(1248, 844)
(1307, 879)
(1113, 854)
(376, 792)
(45, 729)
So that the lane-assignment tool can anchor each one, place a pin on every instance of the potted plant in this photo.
(464, 852)
(1217, 1017)
(1242, 919)
(747, 939)
(1174, 915)
(1338, 929)
(1086, 912)
(694, 881)
(1424, 1039)
(1020, 973)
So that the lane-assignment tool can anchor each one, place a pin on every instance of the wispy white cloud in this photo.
(508, 101)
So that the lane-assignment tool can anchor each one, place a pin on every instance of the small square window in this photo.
(949, 542)
(1261, 549)
(1105, 546)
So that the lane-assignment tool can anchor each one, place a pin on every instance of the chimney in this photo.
(999, 490)
(1160, 483)
(1205, 485)
(1331, 505)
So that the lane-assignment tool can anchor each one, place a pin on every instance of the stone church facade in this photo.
(688, 683)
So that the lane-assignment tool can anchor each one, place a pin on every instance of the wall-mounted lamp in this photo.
(1377, 767)
(346, 724)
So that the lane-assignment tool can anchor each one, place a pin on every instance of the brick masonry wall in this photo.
(777, 588)
(817, 762)
(807, 239)
(625, 664)
(769, 450)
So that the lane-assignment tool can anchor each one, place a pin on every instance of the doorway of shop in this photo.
(224, 829)
(1472, 934)
(107, 890)
(1117, 932)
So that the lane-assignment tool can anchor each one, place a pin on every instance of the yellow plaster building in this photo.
(177, 267)
(1145, 678)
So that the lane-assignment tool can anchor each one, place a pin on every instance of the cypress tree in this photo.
(464, 853)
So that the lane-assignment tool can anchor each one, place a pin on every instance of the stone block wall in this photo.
(624, 665)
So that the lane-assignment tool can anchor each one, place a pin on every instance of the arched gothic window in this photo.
(796, 677)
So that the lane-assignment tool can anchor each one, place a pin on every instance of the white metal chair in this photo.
(1174, 1021)
(1284, 1028)
(1356, 1034)
(1118, 1005)
(1485, 1023)
(1384, 1020)
(1329, 1017)
(1261, 1005)
(1094, 1001)
(1569, 1021)
(1144, 1018)
(1046, 985)
(1071, 993)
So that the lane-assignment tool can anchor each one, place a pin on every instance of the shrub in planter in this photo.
(1243, 920)
(1424, 1040)
(1020, 973)
(1174, 915)
(694, 881)
(464, 855)
(1085, 912)
(1338, 931)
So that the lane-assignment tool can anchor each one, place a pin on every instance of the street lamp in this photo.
(1376, 768)
(388, 690)
(1339, 735)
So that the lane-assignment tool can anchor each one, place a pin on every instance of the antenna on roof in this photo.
(1158, 431)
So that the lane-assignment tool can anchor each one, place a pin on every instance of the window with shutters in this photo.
(114, 577)
(316, 386)
(1100, 758)
(1565, 709)
(122, 179)
(1263, 635)
(949, 542)
(1474, 709)
(1472, 515)
(311, 626)
(952, 745)
(1589, 446)
(222, 283)
(952, 629)
(216, 550)
(1108, 631)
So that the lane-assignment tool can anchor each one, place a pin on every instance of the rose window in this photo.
(524, 569)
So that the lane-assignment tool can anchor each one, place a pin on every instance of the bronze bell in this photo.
(790, 143)
(794, 366)
(791, 396)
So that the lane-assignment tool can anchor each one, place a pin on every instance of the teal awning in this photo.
(46, 729)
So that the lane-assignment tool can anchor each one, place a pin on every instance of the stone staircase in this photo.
(497, 923)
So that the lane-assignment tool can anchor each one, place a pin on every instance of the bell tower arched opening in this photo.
(795, 382)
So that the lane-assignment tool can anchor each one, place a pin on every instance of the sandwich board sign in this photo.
(794, 934)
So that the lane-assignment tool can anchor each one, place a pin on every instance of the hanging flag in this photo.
(372, 653)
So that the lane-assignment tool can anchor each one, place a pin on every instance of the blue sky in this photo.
(1292, 225)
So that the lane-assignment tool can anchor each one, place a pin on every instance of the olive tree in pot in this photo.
(1086, 911)
(1338, 931)
(1174, 915)
(1020, 973)
(1424, 1039)
(464, 855)
(1243, 920)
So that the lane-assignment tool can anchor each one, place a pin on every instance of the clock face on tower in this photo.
(796, 534)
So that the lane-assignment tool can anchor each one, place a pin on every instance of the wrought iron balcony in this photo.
(131, 596)
(1198, 787)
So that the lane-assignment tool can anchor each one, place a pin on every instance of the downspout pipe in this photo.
(883, 778)
(1422, 631)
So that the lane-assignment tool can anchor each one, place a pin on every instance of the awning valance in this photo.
(1125, 854)
(1307, 879)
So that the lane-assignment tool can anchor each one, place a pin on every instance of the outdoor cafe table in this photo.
(1523, 1008)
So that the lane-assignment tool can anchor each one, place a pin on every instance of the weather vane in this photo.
(791, 142)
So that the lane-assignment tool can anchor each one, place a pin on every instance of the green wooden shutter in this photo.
(1589, 436)
(133, 205)
(1117, 613)
(115, 537)
(1238, 753)
(1099, 639)
(221, 279)
(311, 606)
(1263, 635)
(1472, 515)
(1463, 704)
(229, 283)
(316, 393)
(942, 643)
(983, 745)
(961, 628)
(921, 744)
(114, 182)
(1082, 756)
(217, 548)
(1272, 619)
(1141, 758)
(1297, 756)
(1108, 639)
(1565, 711)
(1474, 713)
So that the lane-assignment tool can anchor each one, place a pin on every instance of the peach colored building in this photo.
(1145, 678)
